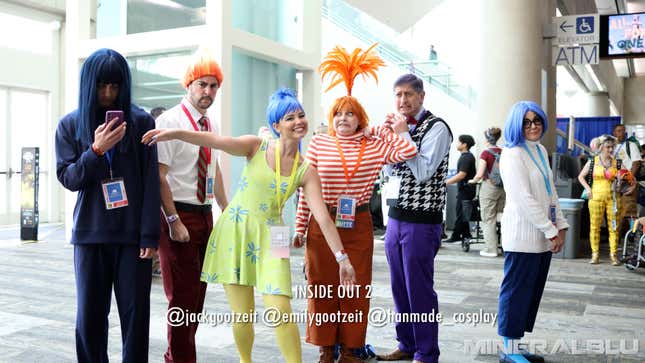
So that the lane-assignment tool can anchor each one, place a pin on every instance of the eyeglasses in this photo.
(537, 122)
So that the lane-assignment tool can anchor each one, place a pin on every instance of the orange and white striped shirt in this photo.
(384, 147)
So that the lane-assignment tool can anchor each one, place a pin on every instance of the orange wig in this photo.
(344, 67)
(203, 64)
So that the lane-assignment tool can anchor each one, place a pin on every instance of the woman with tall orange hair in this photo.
(348, 160)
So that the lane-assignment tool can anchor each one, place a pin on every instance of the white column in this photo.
(515, 61)
(218, 22)
(76, 29)
(598, 104)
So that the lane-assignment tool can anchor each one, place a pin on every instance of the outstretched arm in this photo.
(244, 145)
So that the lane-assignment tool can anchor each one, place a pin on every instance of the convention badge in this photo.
(210, 194)
(552, 214)
(391, 188)
(280, 241)
(114, 193)
(345, 212)
(210, 183)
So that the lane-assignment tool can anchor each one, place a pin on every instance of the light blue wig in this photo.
(514, 130)
(281, 102)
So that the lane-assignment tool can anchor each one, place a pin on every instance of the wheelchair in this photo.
(634, 245)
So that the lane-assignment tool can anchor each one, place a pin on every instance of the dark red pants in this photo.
(181, 266)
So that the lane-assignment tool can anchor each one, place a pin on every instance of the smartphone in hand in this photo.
(110, 115)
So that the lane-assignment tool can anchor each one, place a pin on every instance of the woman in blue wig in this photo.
(249, 245)
(533, 227)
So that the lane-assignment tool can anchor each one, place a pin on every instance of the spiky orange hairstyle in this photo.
(344, 67)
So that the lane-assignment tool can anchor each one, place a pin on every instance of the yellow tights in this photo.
(241, 300)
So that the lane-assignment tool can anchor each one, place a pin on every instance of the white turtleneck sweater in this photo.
(526, 224)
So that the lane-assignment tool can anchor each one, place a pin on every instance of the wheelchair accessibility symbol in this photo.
(585, 25)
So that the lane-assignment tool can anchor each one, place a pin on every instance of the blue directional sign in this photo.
(585, 25)
(576, 30)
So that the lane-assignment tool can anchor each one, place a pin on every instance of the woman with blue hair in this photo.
(249, 245)
(116, 229)
(533, 227)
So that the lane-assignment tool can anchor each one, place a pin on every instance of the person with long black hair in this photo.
(116, 219)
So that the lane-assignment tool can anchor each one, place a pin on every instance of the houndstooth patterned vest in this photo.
(421, 202)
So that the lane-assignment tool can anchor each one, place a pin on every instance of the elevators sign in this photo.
(29, 193)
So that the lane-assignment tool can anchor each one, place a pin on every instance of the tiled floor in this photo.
(583, 306)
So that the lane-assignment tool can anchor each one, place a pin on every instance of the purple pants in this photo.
(410, 249)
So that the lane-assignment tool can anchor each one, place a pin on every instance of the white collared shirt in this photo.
(181, 157)
(433, 148)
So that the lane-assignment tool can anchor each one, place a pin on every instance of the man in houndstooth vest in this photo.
(417, 193)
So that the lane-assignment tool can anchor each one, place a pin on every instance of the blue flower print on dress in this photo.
(264, 207)
(243, 184)
(270, 222)
(252, 252)
(283, 187)
(213, 247)
(237, 213)
(205, 276)
(271, 291)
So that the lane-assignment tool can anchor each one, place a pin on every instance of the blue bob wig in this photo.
(514, 130)
(281, 102)
(102, 66)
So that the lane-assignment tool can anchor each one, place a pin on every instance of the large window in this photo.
(278, 20)
(37, 39)
(156, 79)
(121, 17)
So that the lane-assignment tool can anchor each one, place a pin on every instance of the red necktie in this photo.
(412, 120)
(202, 166)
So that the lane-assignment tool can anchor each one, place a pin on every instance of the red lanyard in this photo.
(358, 161)
(208, 128)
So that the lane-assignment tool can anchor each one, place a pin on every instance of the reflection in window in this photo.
(137, 16)
(156, 79)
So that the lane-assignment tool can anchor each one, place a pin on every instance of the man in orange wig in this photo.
(348, 160)
(190, 177)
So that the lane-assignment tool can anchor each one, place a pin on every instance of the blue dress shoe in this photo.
(528, 356)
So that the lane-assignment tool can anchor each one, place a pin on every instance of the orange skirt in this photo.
(322, 269)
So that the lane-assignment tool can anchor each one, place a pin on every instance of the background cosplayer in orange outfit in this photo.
(348, 161)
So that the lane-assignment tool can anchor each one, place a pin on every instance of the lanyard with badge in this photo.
(346, 205)
(113, 188)
(280, 233)
(210, 179)
(544, 170)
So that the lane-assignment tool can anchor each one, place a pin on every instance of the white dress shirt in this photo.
(181, 157)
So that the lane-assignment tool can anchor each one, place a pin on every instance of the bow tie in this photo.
(412, 120)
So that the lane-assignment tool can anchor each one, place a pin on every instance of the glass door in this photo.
(24, 121)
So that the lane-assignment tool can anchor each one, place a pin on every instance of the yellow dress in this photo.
(238, 249)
